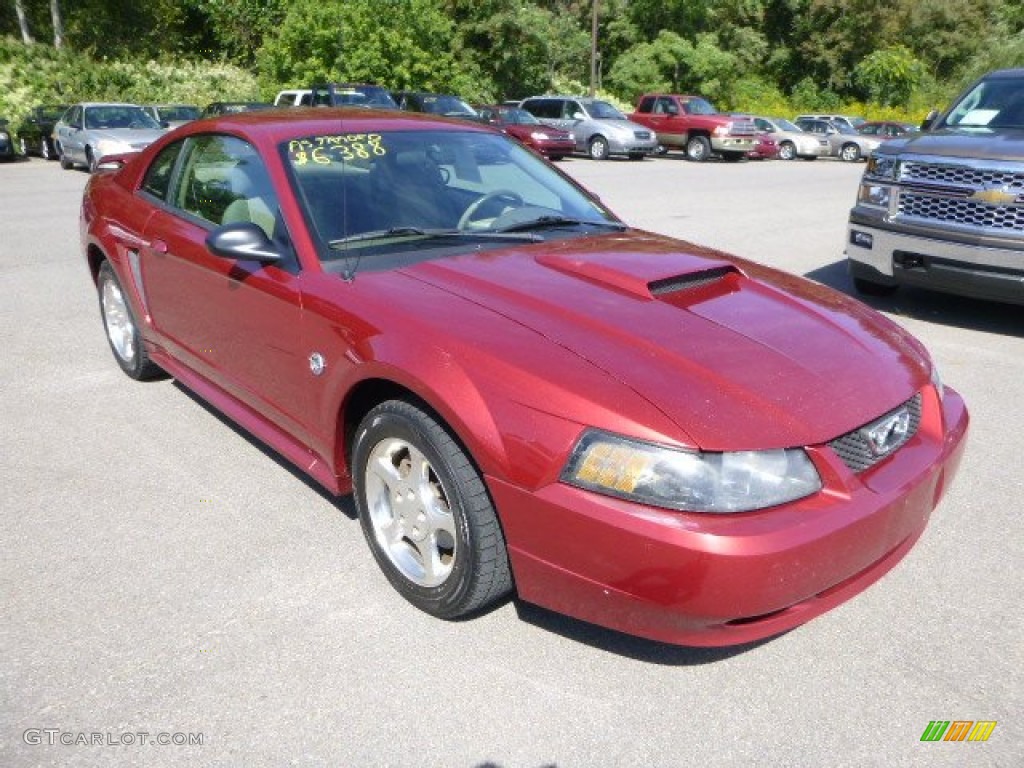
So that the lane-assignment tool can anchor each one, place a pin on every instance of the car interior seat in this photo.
(254, 197)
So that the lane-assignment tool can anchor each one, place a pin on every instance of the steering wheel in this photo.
(512, 200)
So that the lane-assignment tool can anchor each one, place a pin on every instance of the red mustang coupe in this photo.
(553, 143)
(524, 394)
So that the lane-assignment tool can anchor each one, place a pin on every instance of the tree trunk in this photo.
(26, 36)
(58, 24)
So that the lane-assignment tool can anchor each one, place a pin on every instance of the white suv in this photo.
(302, 97)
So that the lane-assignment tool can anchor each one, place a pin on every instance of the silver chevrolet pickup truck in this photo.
(944, 208)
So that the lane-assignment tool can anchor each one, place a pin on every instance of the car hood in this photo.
(131, 136)
(738, 356)
(974, 143)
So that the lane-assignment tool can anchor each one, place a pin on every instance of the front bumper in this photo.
(733, 144)
(713, 580)
(617, 145)
(881, 255)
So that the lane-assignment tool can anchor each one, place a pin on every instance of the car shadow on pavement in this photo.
(929, 306)
(345, 504)
(638, 648)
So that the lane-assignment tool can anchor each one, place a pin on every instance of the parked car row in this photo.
(553, 125)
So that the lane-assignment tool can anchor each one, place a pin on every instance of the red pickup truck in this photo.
(691, 124)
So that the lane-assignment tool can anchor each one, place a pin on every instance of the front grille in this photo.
(642, 134)
(960, 175)
(743, 128)
(960, 211)
(854, 448)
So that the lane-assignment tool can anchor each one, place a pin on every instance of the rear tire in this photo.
(121, 328)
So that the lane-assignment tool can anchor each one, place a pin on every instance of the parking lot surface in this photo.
(163, 574)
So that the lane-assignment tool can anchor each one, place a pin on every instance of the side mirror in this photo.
(243, 241)
(929, 120)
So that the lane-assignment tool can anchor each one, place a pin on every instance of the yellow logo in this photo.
(994, 196)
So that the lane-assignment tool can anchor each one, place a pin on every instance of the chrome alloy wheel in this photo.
(118, 322)
(409, 512)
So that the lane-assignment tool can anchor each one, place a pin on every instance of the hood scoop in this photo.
(692, 286)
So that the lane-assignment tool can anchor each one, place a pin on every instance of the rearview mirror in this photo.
(243, 241)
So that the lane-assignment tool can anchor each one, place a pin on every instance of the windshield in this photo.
(119, 116)
(993, 103)
(602, 110)
(446, 105)
(178, 114)
(518, 117)
(699, 107)
(395, 191)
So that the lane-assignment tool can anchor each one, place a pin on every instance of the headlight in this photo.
(110, 147)
(875, 195)
(722, 130)
(689, 481)
(881, 167)
(937, 381)
(539, 136)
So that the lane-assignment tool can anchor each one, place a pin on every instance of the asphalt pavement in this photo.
(165, 578)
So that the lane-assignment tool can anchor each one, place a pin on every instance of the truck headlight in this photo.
(689, 481)
(874, 195)
(881, 167)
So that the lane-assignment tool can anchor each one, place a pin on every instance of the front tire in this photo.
(850, 153)
(121, 328)
(787, 151)
(698, 149)
(426, 513)
(45, 149)
(598, 148)
(90, 160)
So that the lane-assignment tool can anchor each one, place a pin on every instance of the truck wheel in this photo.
(850, 153)
(787, 151)
(698, 149)
(598, 148)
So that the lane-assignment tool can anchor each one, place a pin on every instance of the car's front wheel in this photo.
(426, 513)
(598, 148)
(122, 330)
(90, 160)
(850, 153)
(787, 151)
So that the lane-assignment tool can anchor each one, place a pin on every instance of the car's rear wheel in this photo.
(122, 330)
(426, 513)
(65, 161)
(850, 153)
(598, 148)
(698, 149)
(787, 151)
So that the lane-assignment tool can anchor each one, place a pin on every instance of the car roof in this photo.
(275, 125)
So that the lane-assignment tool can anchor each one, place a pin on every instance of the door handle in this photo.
(158, 246)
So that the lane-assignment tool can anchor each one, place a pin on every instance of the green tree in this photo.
(890, 75)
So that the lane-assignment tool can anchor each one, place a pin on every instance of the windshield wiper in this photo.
(429, 234)
(542, 222)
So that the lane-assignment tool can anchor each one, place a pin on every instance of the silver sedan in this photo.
(845, 142)
(90, 131)
(793, 141)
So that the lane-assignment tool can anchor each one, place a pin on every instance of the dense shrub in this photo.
(40, 74)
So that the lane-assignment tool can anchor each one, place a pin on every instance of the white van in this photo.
(302, 97)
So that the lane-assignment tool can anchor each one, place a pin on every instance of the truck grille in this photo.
(743, 128)
(959, 211)
(973, 197)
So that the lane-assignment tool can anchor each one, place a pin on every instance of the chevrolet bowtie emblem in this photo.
(994, 196)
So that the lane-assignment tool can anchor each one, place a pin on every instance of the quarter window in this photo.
(158, 177)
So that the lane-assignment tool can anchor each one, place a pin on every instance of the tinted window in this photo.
(646, 104)
(550, 109)
(158, 177)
